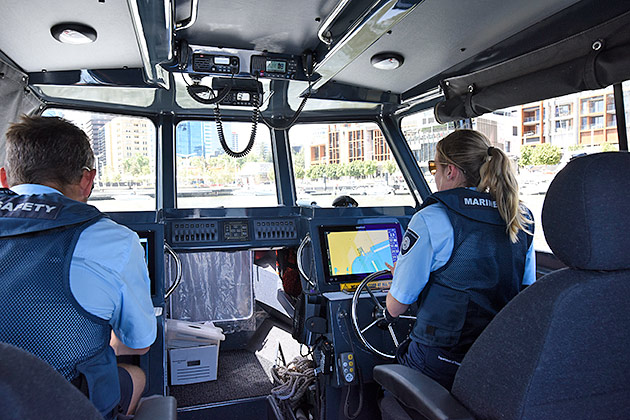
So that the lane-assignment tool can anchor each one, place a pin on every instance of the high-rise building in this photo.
(501, 128)
(598, 124)
(97, 131)
(127, 137)
(201, 138)
(190, 139)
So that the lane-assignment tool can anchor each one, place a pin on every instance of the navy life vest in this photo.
(485, 271)
(38, 235)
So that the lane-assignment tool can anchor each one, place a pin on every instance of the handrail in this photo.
(369, 28)
(153, 24)
(187, 23)
(306, 240)
(323, 32)
(178, 267)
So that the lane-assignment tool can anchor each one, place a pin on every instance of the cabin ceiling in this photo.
(280, 26)
(435, 38)
(26, 39)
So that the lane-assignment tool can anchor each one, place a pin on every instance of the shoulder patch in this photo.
(409, 240)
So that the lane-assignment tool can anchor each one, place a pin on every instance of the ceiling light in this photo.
(73, 33)
(387, 61)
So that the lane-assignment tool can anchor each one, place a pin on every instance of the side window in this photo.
(549, 134)
(208, 177)
(422, 133)
(331, 160)
(125, 152)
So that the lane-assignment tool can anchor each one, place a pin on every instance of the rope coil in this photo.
(293, 380)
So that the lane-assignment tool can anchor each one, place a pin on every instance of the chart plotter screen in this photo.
(353, 252)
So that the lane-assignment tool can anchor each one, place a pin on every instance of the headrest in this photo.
(586, 214)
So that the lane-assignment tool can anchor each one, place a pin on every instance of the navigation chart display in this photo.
(354, 251)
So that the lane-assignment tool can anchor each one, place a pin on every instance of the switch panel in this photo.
(274, 229)
(194, 231)
(233, 232)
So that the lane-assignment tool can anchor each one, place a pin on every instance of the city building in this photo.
(189, 135)
(585, 119)
(345, 143)
(501, 128)
(127, 137)
(97, 137)
(423, 132)
(201, 138)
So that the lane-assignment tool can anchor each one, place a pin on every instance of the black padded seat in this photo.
(30, 389)
(558, 350)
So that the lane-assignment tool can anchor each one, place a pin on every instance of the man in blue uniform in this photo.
(74, 284)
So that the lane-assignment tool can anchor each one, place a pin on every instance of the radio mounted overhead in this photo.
(242, 87)
(211, 61)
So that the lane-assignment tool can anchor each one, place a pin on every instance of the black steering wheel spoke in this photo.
(377, 317)
(374, 299)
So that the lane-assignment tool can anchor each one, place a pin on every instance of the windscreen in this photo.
(353, 159)
(125, 158)
(353, 252)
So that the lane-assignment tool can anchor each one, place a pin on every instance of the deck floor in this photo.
(242, 373)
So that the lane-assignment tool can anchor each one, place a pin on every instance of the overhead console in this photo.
(235, 78)
(211, 61)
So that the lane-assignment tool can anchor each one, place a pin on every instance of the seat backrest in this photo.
(31, 389)
(560, 348)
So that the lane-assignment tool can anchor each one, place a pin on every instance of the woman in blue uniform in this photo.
(465, 254)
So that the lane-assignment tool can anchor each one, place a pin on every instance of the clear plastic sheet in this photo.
(215, 286)
(16, 100)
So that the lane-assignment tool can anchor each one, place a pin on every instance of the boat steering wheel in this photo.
(378, 320)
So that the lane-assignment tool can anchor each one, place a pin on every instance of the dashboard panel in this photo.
(232, 228)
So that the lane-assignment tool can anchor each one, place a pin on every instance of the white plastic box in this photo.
(193, 364)
(193, 351)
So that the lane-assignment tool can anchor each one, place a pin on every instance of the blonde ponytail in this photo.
(497, 178)
(490, 170)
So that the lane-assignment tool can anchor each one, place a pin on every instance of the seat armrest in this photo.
(157, 407)
(420, 393)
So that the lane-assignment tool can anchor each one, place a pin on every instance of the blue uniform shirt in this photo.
(109, 277)
(431, 250)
